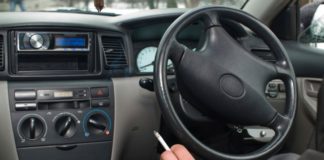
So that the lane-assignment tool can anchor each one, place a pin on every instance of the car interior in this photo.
(227, 79)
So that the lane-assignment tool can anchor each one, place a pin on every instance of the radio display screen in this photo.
(70, 42)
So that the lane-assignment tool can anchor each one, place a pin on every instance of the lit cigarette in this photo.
(161, 140)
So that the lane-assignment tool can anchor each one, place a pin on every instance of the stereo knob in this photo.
(97, 124)
(36, 41)
(32, 128)
(65, 126)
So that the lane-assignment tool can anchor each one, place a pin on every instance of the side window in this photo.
(312, 24)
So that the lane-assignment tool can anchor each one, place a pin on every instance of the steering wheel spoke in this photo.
(279, 123)
(211, 18)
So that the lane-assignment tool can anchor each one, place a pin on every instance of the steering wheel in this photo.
(225, 80)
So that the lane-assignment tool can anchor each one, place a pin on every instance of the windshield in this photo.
(114, 7)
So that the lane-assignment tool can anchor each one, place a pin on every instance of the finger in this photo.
(168, 155)
(181, 152)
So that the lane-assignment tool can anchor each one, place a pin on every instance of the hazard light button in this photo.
(99, 92)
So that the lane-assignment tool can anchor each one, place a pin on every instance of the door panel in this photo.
(308, 64)
(309, 90)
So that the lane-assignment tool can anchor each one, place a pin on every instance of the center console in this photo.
(61, 96)
(62, 119)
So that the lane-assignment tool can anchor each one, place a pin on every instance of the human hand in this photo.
(178, 152)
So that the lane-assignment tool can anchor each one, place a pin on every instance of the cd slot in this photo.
(61, 105)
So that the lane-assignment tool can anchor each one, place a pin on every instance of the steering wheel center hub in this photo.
(232, 86)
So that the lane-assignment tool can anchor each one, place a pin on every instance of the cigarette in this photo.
(161, 140)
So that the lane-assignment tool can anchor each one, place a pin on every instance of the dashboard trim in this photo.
(8, 146)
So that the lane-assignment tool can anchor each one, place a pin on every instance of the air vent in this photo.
(1, 53)
(264, 54)
(114, 52)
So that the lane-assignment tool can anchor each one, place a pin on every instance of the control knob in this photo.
(97, 124)
(36, 41)
(32, 128)
(65, 126)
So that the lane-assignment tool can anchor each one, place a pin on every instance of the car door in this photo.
(306, 52)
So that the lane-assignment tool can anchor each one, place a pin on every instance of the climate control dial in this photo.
(65, 126)
(32, 127)
(97, 122)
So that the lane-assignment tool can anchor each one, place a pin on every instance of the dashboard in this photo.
(69, 82)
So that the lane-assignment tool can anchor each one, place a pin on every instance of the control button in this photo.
(100, 103)
(99, 92)
(273, 86)
(272, 90)
(45, 94)
(81, 93)
(273, 94)
(282, 88)
(25, 95)
(25, 106)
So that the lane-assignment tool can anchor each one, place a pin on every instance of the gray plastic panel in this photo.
(7, 145)
(90, 151)
(136, 116)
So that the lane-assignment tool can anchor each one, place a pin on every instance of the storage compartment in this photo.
(87, 151)
(56, 105)
(51, 62)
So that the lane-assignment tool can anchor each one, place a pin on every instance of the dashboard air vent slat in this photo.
(114, 52)
(1, 53)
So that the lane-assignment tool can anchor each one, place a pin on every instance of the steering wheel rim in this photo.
(169, 47)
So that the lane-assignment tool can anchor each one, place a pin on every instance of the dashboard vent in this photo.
(264, 54)
(114, 52)
(1, 53)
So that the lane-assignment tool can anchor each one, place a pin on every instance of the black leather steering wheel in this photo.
(225, 80)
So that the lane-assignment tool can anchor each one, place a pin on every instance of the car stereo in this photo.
(53, 41)
(54, 52)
